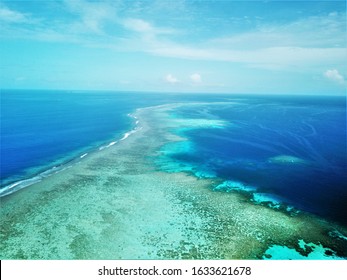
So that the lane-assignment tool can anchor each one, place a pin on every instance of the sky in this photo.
(276, 47)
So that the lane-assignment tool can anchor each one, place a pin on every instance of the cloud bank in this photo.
(196, 78)
(334, 76)
(171, 79)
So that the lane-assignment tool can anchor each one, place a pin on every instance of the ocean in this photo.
(286, 150)
(42, 130)
(276, 150)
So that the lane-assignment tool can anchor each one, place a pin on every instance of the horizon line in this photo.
(174, 92)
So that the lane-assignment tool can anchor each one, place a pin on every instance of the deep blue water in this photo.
(42, 129)
(39, 127)
(290, 148)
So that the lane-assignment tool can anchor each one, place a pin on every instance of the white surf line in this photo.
(19, 185)
(15, 184)
(127, 134)
(27, 182)
(111, 144)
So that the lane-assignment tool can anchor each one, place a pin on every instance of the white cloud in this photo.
(11, 16)
(92, 15)
(147, 30)
(293, 46)
(196, 78)
(335, 76)
(138, 25)
(290, 58)
(171, 79)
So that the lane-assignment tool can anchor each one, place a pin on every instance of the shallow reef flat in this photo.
(287, 159)
(117, 204)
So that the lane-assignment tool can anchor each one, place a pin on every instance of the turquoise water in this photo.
(291, 151)
(310, 251)
(276, 150)
(42, 130)
(278, 154)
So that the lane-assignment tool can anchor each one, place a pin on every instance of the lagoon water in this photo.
(276, 160)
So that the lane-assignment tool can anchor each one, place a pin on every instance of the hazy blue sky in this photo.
(199, 46)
